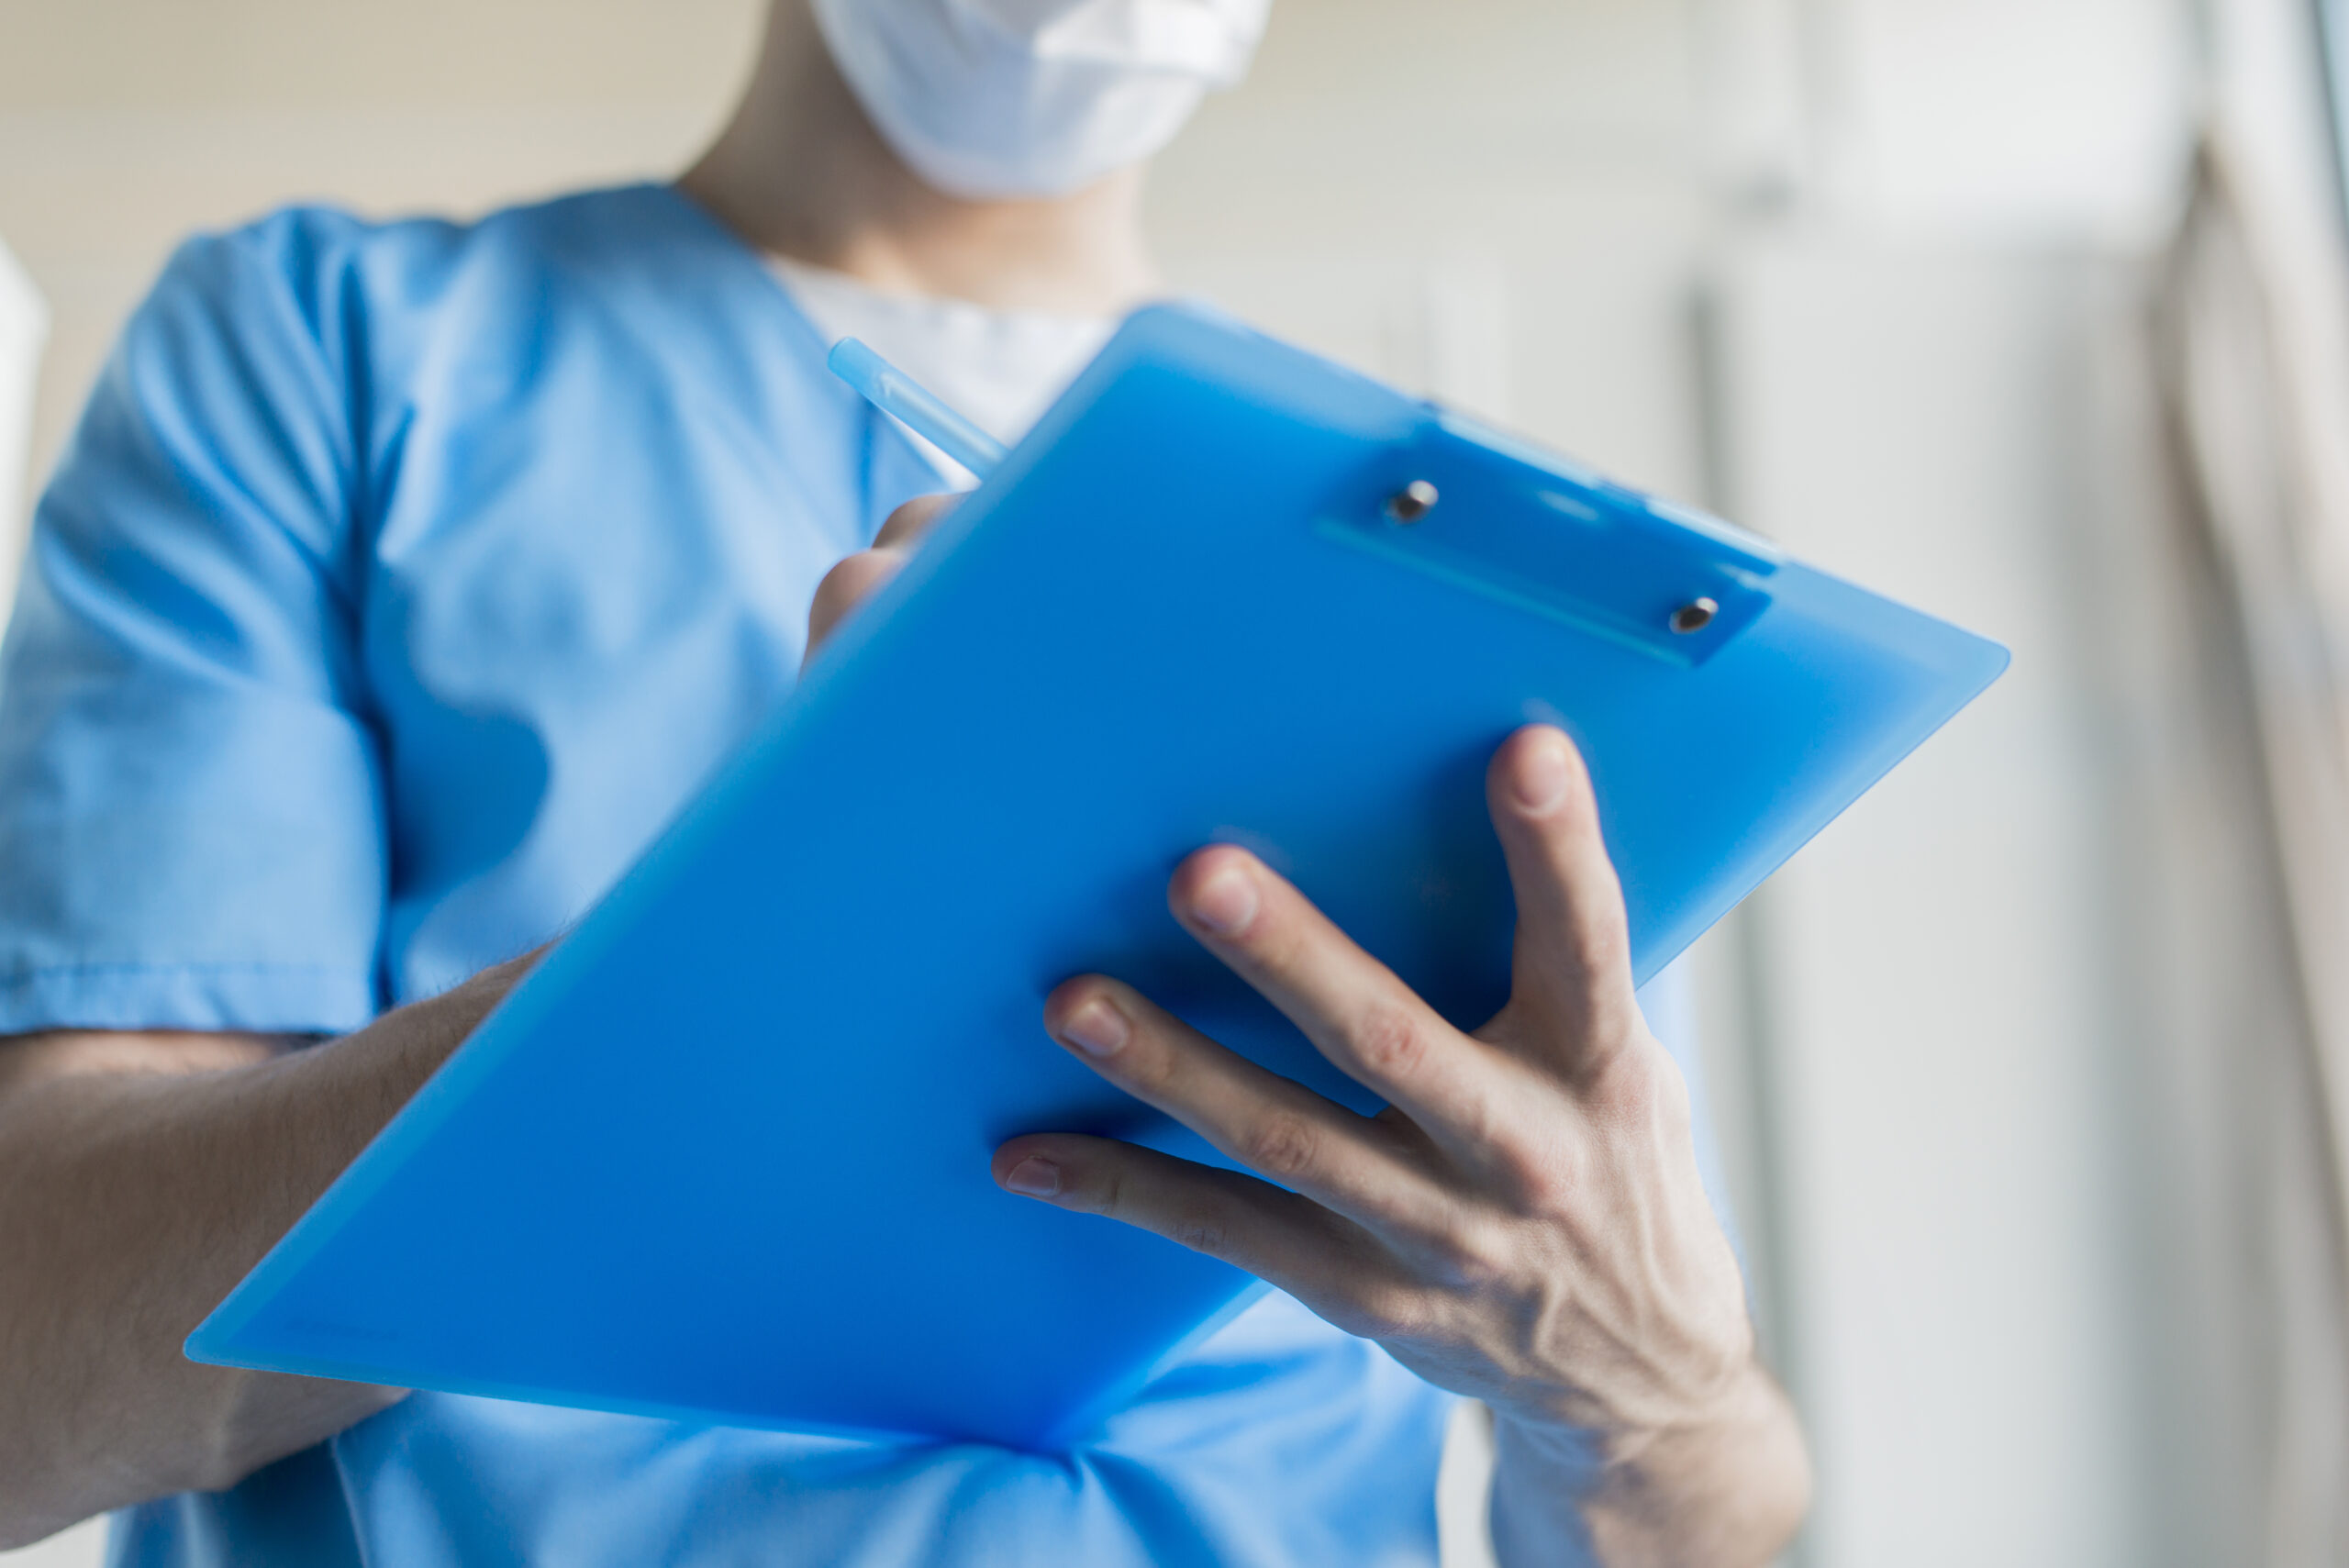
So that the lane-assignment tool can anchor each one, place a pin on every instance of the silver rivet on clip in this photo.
(1412, 502)
(1694, 616)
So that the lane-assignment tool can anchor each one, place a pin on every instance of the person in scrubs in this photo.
(399, 583)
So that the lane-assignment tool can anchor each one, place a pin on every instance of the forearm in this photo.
(131, 1201)
(1730, 1492)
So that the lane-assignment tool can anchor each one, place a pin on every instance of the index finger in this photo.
(1354, 1010)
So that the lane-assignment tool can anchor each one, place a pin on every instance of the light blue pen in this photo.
(914, 407)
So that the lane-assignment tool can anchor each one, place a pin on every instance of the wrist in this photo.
(1729, 1484)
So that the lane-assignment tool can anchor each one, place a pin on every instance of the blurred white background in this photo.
(1865, 274)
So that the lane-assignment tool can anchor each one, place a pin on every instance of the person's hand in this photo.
(1524, 1223)
(858, 577)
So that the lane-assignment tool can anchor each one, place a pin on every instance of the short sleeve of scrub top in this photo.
(193, 832)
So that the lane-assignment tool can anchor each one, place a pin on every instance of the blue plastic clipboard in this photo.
(724, 1156)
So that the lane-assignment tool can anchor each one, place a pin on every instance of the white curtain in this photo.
(2251, 917)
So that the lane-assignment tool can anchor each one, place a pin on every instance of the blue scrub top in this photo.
(399, 583)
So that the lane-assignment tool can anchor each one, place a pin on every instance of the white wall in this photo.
(124, 124)
(1966, 1321)
(24, 331)
(1496, 202)
(1917, 343)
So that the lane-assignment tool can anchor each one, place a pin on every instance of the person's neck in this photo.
(800, 172)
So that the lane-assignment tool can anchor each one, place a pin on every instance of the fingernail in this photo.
(1033, 1177)
(1543, 773)
(1097, 1029)
(1227, 903)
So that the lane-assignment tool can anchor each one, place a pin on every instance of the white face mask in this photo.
(997, 98)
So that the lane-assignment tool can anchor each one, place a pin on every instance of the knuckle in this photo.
(1102, 1193)
(1535, 1179)
(1148, 1068)
(1389, 1042)
(1200, 1229)
(1474, 1254)
(1387, 1311)
(1599, 942)
(1541, 1157)
(1283, 1145)
(1640, 1087)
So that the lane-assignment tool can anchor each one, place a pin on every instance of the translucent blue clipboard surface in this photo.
(724, 1156)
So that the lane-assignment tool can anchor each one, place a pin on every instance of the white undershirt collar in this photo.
(1000, 367)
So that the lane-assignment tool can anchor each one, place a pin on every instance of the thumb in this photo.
(860, 577)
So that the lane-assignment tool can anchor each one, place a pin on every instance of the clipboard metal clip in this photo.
(1489, 514)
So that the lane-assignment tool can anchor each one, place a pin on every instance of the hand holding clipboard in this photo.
(1225, 593)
